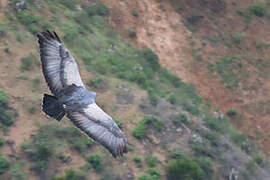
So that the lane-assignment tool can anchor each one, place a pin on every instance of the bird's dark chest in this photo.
(75, 98)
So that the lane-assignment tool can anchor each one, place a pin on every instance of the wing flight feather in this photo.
(58, 66)
(99, 126)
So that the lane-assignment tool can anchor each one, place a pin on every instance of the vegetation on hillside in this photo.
(7, 114)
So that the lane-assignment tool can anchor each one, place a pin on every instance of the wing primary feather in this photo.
(46, 35)
(57, 37)
(50, 34)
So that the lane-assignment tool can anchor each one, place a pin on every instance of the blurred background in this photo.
(187, 82)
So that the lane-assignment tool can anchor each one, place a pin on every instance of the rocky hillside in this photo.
(185, 80)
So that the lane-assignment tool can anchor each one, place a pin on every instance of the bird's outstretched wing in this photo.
(58, 66)
(98, 125)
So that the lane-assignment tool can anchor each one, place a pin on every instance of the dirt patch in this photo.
(124, 96)
(3, 3)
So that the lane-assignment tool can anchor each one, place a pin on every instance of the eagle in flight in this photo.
(71, 98)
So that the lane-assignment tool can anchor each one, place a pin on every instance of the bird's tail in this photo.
(52, 107)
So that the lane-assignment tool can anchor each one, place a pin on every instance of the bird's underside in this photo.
(72, 99)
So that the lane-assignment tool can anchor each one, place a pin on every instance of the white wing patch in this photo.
(93, 110)
(71, 74)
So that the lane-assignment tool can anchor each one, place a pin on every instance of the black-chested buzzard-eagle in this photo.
(71, 97)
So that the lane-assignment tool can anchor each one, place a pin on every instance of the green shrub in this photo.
(180, 118)
(144, 177)
(6, 117)
(151, 58)
(71, 135)
(135, 13)
(153, 97)
(27, 62)
(169, 78)
(193, 109)
(172, 99)
(63, 157)
(28, 19)
(97, 9)
(3, 99)
(95, 161)
(141, 80)
(80, 143)
(177, 155)
(231, 112)
(83, 20)
(140, 130)
(151, 161)
(137, 161)
(257, 9)
(203, 149)
(229, 69)
(212, 136)
(132, 33)
(195, 18)
(119, 123)
(198, 57)
(184, 169)
(3, 30)
(31, 108)
(259, 159)
(238, 138)
(205, 164)
(25, 17)
(4, 165)
(19, 38)
(98, 21)
(154, 173)
(70, 174)
(7, 50)
(246, 14)
(71, 4)
(2, 142)
(213, 123)
(6, 113)
(183, 118)
(33, 28)
(40, 149)
(17, 171)
(94, 82)
(251, 166)
(45, 25)
(156, 123)
(71, 34)
(238, 37)
(35, 86)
